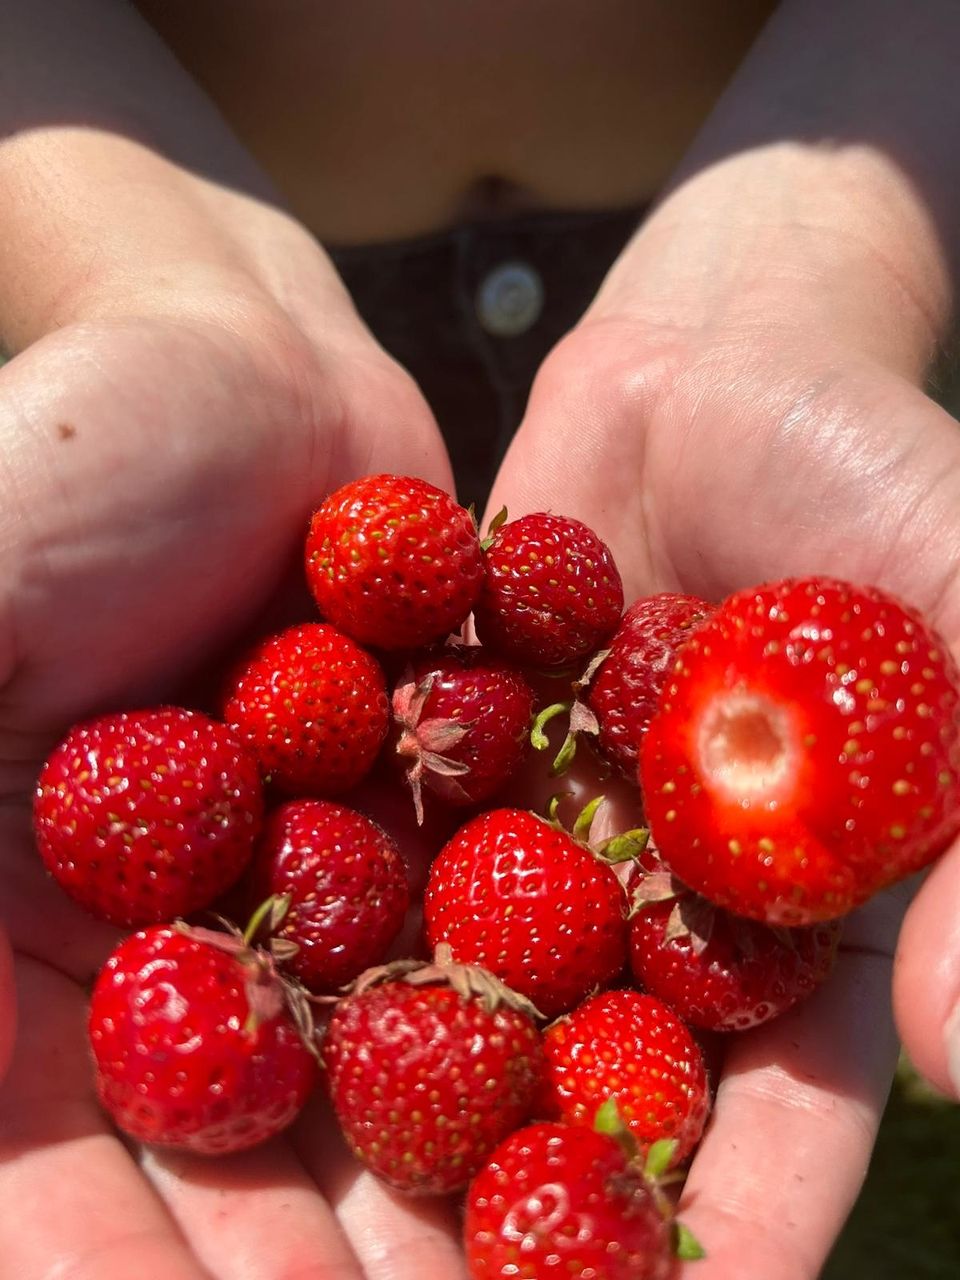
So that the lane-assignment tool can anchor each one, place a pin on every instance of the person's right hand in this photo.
(190, 381)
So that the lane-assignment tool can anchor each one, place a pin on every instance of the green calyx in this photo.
(656, 1172)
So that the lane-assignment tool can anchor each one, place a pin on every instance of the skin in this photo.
(742, 401)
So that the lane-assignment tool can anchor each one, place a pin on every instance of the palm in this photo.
(157, 525)
(708, 466)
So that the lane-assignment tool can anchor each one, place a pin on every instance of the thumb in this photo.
(579, 451)
(926, 982)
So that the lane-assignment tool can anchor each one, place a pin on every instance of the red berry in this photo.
(551, 592)
(555, 1202)
(312, 706)
(426, 1079)
(623, 693)
(147, 815)
(393, 561)
(194, 1045)
(633, 1049)
(806, 752)
(528, 902)
(347, 889)
(719, 971)
(464, 719)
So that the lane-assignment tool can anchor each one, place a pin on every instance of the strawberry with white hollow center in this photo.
(806, 751)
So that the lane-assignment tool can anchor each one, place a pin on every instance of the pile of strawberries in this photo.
(790, 752)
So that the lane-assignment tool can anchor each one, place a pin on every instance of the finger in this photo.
(394, 1237)
(253, 1216)
(56, 1148)
(926, 986)
(795, 1120)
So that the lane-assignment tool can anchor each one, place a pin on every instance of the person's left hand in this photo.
(720, 432)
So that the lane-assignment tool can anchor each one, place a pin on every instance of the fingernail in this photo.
(951, 1036)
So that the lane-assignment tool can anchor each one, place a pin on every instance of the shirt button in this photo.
(510, 299)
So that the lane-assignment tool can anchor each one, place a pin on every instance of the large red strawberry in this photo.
(429, 1070)
(631, 1048)
(555, 1202)
(393, 561)
(312, 706)
(806, 752)
(464, 719)
(346, 886)
(720, 971)
(147, 815)
(525, 900)
(195, 1042)
(551, 592)
(624, 690)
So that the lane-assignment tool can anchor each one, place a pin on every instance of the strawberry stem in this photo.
(271, 910)
(538, 739)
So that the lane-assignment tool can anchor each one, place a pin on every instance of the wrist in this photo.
(833, 246)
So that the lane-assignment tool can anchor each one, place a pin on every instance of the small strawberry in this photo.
(464, 720)
(555, 1202)
(525, 900)
(147, 815)
(345, 885)
(719, 971)
(806, 752)
(631, 1048)
(429, 1067)
(312, 706)
(393, 561)
(195, 1042)
(623, 692)
(551, 592)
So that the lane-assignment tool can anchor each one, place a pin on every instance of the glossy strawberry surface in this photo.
(634, 1049)
(463, 718)
(147, 815)
(721, 972)
(624, 691)
(426, 1081)
(194, 1046)
(525, 900)
(311, 705)
(555, 1202)
(551, 592)
(347, 889)
(806, 752)
(393, 561)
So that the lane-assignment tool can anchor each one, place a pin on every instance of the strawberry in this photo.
(429, 1067)
(525, 900)
(631, 1048)
(464, 720)
(393, 561)
(195, 1042)
(345, 884)
(627, 683)
(551, 592)
(312, 706)
(147, 815)
(719, 971)
(555, 1202)
(806, 752)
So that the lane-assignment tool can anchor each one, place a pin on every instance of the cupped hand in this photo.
(161, 460)
(717, 447)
